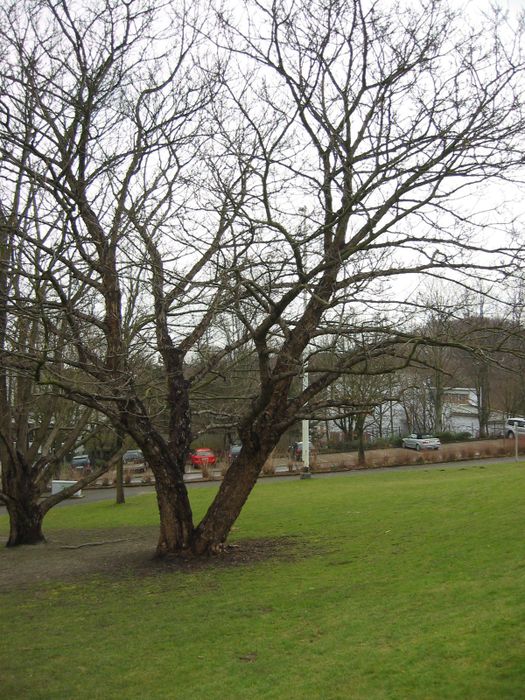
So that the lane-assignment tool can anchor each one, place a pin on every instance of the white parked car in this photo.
(418, 442)
(514, 426)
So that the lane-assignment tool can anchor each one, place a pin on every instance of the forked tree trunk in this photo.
(176, 518)
(22, 501)
(21, 486)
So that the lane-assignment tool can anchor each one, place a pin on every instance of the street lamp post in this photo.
(306, 473)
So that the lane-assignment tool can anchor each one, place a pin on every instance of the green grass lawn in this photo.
(402, 585)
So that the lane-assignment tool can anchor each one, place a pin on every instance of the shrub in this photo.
(490, 450)
(322, 468)
(268, 467)
(345, 446)
(206, 471)
(379, 442)
(448, 436)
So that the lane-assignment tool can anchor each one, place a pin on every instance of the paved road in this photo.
(102, 494)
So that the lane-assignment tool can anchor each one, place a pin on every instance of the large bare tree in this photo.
(103, 118)
(284, 172)
(374, 123)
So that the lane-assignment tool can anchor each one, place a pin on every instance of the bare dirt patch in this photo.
(118, 553)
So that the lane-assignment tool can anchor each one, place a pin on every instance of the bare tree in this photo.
(372, 124)
(103, 118)
(38, 427)
(291, 189)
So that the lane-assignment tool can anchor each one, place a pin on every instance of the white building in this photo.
(459, 414)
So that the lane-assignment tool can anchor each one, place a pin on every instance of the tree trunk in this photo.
(238, 482)
(360, 430)
(176, 519)
(25, 523)
(166, 460)
(439, 392)
(119, 499)
(482, 391)
(22, 497)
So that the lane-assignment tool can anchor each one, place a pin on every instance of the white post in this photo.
(306, 435)
(516, 442)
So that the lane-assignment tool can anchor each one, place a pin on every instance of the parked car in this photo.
(234, 451)
(133, 456)
(81, 462)
(416, 441)
(514, 426)
(202, 456)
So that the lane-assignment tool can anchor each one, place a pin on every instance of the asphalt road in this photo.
(103, 494)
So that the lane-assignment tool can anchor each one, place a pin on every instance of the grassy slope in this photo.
(408, 585)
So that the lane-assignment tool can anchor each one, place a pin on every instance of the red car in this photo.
(202, 455)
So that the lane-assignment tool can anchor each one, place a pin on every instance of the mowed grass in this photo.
(402, 585)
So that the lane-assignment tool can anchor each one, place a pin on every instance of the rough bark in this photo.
(21, 497)
(176, 518)
(120, 498)
(25, 522)
(210, 536)
(176, 521)
(166, 460)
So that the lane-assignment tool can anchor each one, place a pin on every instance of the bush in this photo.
(382, 442)
(206, 471)
(345, 446)
(448, 436)
(268, 467)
